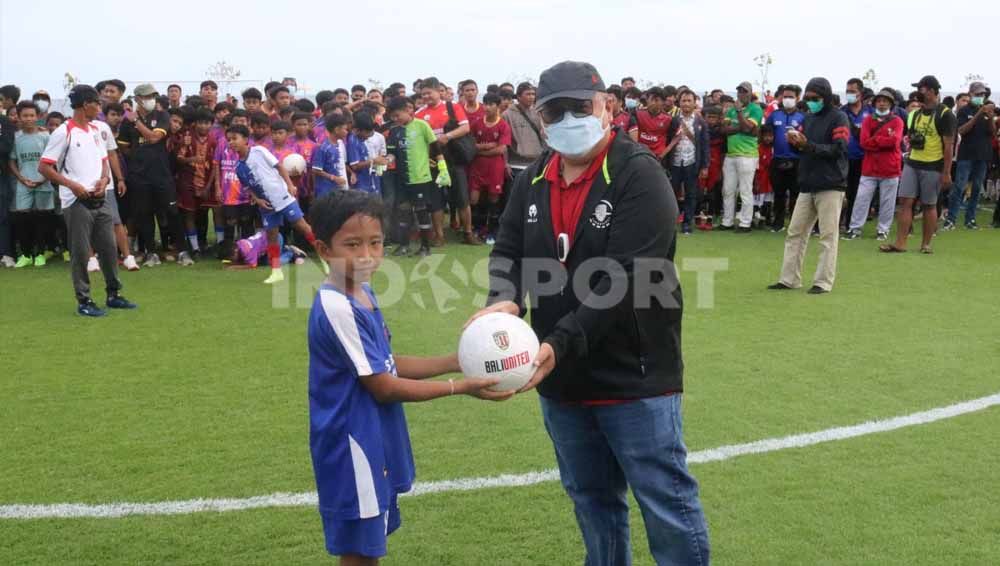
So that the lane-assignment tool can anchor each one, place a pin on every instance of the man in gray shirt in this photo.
(525, 128)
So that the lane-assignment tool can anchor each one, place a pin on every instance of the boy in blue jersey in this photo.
(328, 173)
(271, 189)
(358, 436)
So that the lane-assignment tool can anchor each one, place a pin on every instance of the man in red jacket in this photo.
(881, 135)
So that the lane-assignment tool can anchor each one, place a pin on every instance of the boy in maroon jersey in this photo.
(304, 146)
(488, 170)
(654, 123)
(712, 184)
(195, 174)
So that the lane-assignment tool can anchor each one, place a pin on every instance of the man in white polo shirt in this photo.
(76, 159)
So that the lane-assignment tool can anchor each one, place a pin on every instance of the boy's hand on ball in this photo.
(544, 363)
(479, 388)
(503, 306)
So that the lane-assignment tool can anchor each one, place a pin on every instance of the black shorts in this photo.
(237, 211)
(419, 195)
(458, 192)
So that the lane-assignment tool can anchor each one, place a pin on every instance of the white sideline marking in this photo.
(308, 499)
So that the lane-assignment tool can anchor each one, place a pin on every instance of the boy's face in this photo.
(176, 124)
(261, 131)
(340, 132)
(492, 110)
(110, 93)
(282, 100)
(357, 95)
(341, 98)
(202, 127)
(654, 104)
(27, 117)
(114, 119)
(251, 104)
(469, 93)
(355, 252)
(767, 138)
(53, 124)
(241, 121)
(402, 117)
(430, 96)
(363, 134)
(279, 136)
(221, 115)
(505, 103)
(375, 96)
(302, 128)
(237, 142)
(712, 119)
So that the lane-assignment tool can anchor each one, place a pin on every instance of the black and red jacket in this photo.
(823, 163)
(630, 349)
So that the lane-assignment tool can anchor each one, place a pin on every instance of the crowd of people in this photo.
(439, 156)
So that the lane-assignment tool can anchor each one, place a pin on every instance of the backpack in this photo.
(461, 150)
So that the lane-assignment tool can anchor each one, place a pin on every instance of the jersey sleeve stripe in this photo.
(341, 316)
(364, 482)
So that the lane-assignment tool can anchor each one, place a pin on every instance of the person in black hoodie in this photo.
(822, 180)
(596, 213)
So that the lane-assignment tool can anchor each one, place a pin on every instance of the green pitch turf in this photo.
(201, 393)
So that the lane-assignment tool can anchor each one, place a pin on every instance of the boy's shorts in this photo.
(288, 215)
(28, 200)
(364, 537)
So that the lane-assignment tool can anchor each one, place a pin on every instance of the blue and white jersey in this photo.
(259, 174)
(360, 448)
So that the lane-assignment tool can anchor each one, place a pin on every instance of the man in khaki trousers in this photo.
(822, 182)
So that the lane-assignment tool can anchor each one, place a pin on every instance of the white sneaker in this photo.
(7, 261)
(92, 265)
(184, 259)
(152, 260)
(130, 263)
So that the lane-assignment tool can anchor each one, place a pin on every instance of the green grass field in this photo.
(201, 393)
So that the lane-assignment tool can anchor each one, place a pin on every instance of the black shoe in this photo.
(120, 302)
(779, 286)
(401, 251)
(89, 308)
(742, 230)
(424, 251)
(724, 227)
(851, 235)
(817, 290)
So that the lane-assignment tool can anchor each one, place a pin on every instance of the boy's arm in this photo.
(217, 180)
(412, 367)
(387, 388)
(12, 167)
(292, 190)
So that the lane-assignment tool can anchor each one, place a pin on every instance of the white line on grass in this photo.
(113, 510)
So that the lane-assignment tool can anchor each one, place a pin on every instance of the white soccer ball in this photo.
(499, 345)
(295, 164)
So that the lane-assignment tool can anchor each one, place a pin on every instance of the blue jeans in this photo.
(604, 450)
(685, 181)
(964, 172)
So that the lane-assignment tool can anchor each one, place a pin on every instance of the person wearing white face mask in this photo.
(857, 112)
(785, 167)
(609, 370)
(150, 179)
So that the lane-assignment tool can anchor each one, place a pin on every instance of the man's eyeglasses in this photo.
(554, 110)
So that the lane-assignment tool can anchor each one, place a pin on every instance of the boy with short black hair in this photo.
(54, 120)
(361, 159)
(260, 128)
(237, 211)
(412, 144)
(195, 174)
(327, 169)
(33, 204)
(252, 99)
(272, 191)
(306, 147)
(711, 185)
(488, 171)
(364, 442)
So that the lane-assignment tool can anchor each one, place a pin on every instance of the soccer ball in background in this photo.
(499, 345)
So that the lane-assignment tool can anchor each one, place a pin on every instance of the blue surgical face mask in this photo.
(575, 137)
(631, 103)
(852, 98)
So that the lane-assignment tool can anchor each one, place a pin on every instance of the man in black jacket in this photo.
(822, 180)
(597, 215)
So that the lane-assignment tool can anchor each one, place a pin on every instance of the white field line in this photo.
(308, 499)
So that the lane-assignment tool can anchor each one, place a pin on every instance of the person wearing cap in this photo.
(525, 128)
(150, 178)
(978, 128)
(881, 136)
(83, 175)
(609, 370)
(822, 145)
(927, 169)
(742, 125)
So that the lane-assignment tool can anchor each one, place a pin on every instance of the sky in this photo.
(703, 44)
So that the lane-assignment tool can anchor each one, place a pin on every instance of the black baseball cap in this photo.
(930, 81)
(569, 79)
